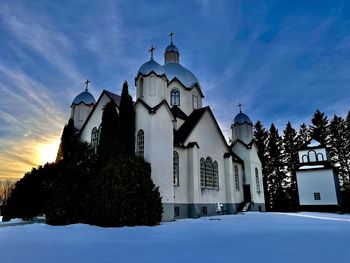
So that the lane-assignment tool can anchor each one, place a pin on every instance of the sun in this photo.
(48, 152)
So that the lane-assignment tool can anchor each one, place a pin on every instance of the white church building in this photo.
(197, 171)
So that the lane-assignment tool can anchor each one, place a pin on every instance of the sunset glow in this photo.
(48, 152)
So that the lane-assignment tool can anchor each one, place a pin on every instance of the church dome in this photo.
(241, 118)
(171, 47)
(176, 70)
(150, 66)
(85, 97)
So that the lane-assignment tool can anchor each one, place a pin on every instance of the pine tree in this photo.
(109, 146)
(275, 177)
(127, 122)
(291, 161)
(260, 136)
(68, 143)
(303, 135)
(319, 127)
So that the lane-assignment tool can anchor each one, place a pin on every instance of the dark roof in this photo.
(155, 108)
(178, 113)
(248, 146)
(116, 98)
(184, 131)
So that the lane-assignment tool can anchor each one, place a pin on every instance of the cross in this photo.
(240, 107)
(87, 84)
(171, 37)
(151, 50)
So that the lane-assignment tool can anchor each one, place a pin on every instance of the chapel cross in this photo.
(87, 84)
(171, 37)
(240, 107)
(151, 50)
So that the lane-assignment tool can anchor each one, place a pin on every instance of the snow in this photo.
(249, 237)
(307, 167)
(12, 221)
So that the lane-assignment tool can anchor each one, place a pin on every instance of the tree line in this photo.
(279, 157)
(110, 188)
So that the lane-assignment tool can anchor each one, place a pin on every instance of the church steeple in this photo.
(171, 54)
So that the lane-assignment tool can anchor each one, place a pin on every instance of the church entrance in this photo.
(246, 193)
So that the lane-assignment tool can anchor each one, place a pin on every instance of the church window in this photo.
(141, 88)
(319, 157)
(317, 196)
(175, 97)
(140, 143)
(195, 101)
(236, 178)
(209, 173)
(176, 169)
(312, 156)
(257, 181)
(215, 176)
(202, 170)
(94, 139)
(99, 133)
(305, 158)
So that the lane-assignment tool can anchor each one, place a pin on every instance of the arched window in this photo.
(236, 178)
(305, 158)
(312, 156)
(202, 171)
(141, 88)
(320, 157)
(175, 97)
(99, 133)
(209, 173)
(176, 169)
(215, 176)
(257, 180)
(140, 147)
(94, 139)
(195, 101)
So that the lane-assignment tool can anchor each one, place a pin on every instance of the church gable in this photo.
(95, 117)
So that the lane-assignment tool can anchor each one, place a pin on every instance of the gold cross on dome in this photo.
(171, 37)
(151, 50)
(87, 84)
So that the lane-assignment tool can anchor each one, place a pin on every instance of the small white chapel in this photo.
(197, 171)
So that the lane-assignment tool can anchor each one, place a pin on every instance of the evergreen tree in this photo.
(275, 177)
(260, 136)
(319, 127)
(109, 146)
(68, 143)
(291, 161)
(303, 135)
(127, 122)
(124, 194)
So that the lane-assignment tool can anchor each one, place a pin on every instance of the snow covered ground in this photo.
(253, 237)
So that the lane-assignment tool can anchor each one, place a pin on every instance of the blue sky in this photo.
(281, 59)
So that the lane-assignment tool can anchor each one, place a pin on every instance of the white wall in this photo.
(251, 161)
(210, 144)
(79, 114)
(186, 104)
(316, 181)
(154, 89)
(158, 132)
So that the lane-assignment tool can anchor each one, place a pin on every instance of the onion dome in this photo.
(241, 118)
(85, 97)
(150, 66)
(186, 77)
(171, 47)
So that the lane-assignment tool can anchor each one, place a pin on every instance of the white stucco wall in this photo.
(154, 89)
(186, 104)
(210, 144)
(244, 132)
(251, 161)
(316, 181)
(158, 146)
(79, 114)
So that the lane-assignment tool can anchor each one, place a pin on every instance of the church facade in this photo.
(197, 171)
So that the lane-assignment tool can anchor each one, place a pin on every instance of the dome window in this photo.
(175, 97)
